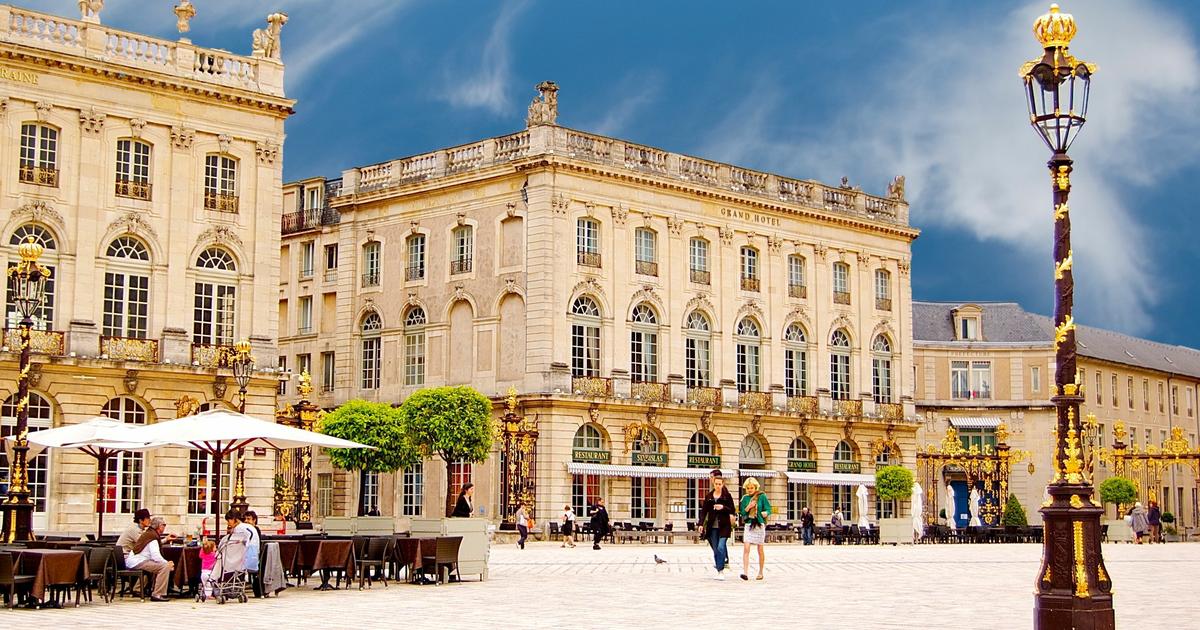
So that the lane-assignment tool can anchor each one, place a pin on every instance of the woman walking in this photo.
(568, 526)
(599, 523)
(522, 519)
(1154, 519)
(754, 510)
(716, 521)
(1138, 521)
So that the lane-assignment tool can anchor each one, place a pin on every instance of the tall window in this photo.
(214, 308)
(883, 290)
(304, 324)
(202, 480)
(416, 257)
(885, 509)
(463, 249)
(1146, 397)
(700, 444)
(799, 494)
(968, 329)
(283, 382)
(645, 243)
(39, 154)
(304, 363)
(41, 416)
(643, 345)
(587, 242)
(324, 495)
(1129, 391)
(370, 491)
(1114, 389)
(797, 286)
(133, 169)
(371, 263)
(331, 262)
(461, 474)
(981, 379)
(697, 340)
(750, 280)
(643, 491)
(751, 454)
(126, 289)
(585, 489)
(328, 371)
(413, 490)
(372, 351)
(220, 183)
(43, 319)
(1175, 400)
(698, 260)
(843, 495)
(881, 369)
(795, 361)
(839, 365)
(1099, 387)
(841, 283)
(1160, 397)
(1035, 379)
(585, 337)
(747, 338)
(124, 473)
(414, 346)
(308, 253)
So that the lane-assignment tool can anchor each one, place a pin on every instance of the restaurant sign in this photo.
(703, 461)
(590, 456)
(652, 459)
(847, 467)
(802, 465)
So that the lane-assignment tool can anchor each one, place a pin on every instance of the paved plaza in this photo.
(932, 586)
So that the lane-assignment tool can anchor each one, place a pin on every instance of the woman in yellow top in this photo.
(754, 510)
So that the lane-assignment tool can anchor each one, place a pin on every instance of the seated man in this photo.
(146, 554)
(141, 520)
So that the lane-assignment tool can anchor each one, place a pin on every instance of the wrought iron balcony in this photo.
(749, 284)
(650, 392)
(797, 291)
(460, 265)
(803, 405)
(129, 349)
(646, 267)
(852, 408)
(841, 297)
(52, 342)
(700, 276)
(755, 401)
(883, 304)
(331, 275)
(133, 189)
(587, 259)
(707, 396)
(592, 386)
(370, 279)
(212, 355)
(220, 202)
(891, 411)
(39, 175)
(416, 272)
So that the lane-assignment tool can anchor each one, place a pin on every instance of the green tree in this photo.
(1118, 490)
(1014, 514)
(454, 423)
(372, 424)
(893, 483)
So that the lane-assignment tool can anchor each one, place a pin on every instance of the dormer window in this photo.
(968, 328)
(968, 321)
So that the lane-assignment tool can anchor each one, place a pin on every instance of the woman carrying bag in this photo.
(754, 510)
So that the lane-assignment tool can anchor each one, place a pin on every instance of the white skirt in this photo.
(755, 535)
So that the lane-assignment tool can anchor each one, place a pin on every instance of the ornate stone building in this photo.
(658, 314)
(979, 365)
(150, 170)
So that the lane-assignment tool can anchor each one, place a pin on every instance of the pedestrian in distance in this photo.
(1154, 519)
(806, 525)
(567, 522)
(717, 512)
(754, 510)
(522, 519)
(463, 508)
(599, 523)
(1138, 521)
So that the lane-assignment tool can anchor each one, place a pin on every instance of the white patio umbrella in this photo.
(863, 521)
(918, 517)
(102, 438)
(221, 432)
(974, 505)
(950, 508)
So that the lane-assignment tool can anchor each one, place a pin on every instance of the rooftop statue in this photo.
(266, 40)
(184, 11)
(89, 10)
(544, 108)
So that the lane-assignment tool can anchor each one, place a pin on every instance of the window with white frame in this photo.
(588, 437)
(643, 498)
(750, 269)
(843, 495)
(304, 363)
(885, 509)
(883, 290)
(463, 238)
(698, 260)
(797, 284)
(372, 250)
(328, 371)
(133, 169)
(124, 474)
(126, 289)
(1129, 391)
(39, 154)
(202, 483)
(795, 361)
(323, 506)
(585, 490)
(799, 494)
(414, 346)
(461, 474)
(43, 318)
(643, 345)
(371, 356)
(1099, 387)
(1175, 400)
(839, 365)
(645, 249)
(214, 309)
(308, 254)
(416, 257)
(41, 416)
(971, 380)
(412, 490)
(747, 348)
(697, 488)
(304, 324)
(968, 329)
(697, 341)
(283, 382)
(1114, 390)
(220, 183)
(881, 369)
(841, 283)
(1035, 379)
(585, 337)
(751, 454)
(370, 491)
(331, 260)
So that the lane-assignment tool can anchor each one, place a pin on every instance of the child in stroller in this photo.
(227, 580)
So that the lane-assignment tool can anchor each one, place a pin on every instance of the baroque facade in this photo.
(657, 314)
(980, 365)
(150, 170)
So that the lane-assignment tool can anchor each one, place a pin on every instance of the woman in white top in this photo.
(522, 518)
(568, 526)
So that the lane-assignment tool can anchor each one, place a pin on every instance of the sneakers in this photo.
(718, 575)
(596, 547)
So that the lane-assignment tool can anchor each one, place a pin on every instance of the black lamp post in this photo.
(242, 365)
(1073, 588)
(28, 281)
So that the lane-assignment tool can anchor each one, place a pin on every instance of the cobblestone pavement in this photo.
(933, 586)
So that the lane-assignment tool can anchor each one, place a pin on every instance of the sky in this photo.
(924, 88)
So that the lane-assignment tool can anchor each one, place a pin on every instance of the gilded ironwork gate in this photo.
(983, 466)
(1146, 467)
(518, 460)
(293, 466)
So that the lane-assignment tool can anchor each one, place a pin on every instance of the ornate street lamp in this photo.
(1073, 588)
(27, 280)
(242, 365)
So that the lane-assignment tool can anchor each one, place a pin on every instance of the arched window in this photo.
(883, 290)
(645, 242)
(643, 345)
(463, 238)
(371, 356)
(749, 269)
(43, 319)
(839, 365)
(795, 361)
(39, 154)
(701, 444)
(587, 242)
(700, 450)
(881, 369)
(220, 183)
(751, 454)
(590, 445)
(41, 416)
(843, 495)
(697, 357)
(797, 285)
(133, 169)
(841, 283)
(801, 458)
(126, 289)
(589, 437)
(800, 449)
(125, 472)
(585, 337)
(214, 310)
(747, 339)
(643, 491)
(647, 443)
(843, 452)
(698, 260)
(414, 346)
(885, 457)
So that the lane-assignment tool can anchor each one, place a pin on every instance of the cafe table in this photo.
(327, 555)
(187, 566)
(408, 552)
(50, 568)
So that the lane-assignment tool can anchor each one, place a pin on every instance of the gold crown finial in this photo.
(1054, 29)
(30, 250)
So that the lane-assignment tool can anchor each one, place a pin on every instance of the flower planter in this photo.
(895, 531)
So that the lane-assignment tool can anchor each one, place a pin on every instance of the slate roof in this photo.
(1007, 322)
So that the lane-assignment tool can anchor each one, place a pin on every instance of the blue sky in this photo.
(924, 88)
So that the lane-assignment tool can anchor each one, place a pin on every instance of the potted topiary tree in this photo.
(1170, 532)
(894, 483)
(1119, 491)
(1014, 513)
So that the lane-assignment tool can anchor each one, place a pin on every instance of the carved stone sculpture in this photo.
(89, 10)
(544, 108)
(266, 40)
(184, 11)
(896, 188)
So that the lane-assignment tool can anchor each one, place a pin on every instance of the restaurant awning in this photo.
(830, 479)
(975, 423)
(653, 472)
(756, 472)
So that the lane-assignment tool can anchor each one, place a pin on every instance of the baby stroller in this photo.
(228, 578)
